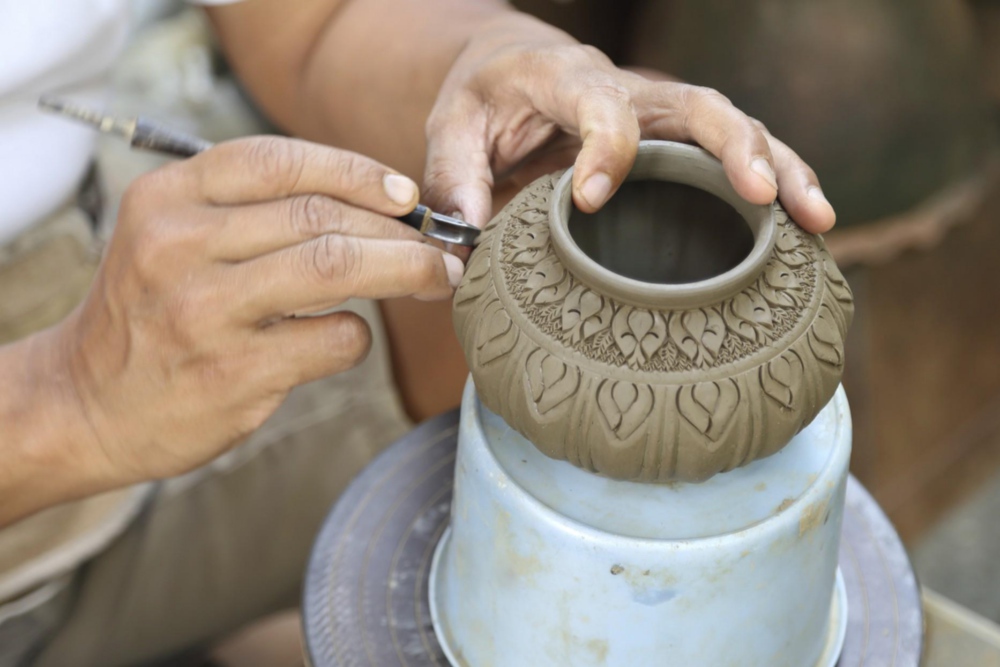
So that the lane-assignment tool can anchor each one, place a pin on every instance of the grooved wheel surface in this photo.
(366, 596)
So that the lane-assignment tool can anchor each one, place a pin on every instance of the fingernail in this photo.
(456, 269)
(762, 168)
(400, 189)
(596, 189)
(815, 193)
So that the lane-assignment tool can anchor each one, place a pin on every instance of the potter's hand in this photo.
(514, 107)
(185, 343)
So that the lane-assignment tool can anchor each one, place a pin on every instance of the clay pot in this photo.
(678, 333)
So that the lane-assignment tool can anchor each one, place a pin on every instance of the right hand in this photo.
(186, 344)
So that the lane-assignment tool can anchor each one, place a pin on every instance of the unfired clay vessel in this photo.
(716, 334)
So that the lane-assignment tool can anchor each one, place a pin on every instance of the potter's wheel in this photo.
(366, 592)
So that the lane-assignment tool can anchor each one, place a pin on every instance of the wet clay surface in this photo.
(632, 386)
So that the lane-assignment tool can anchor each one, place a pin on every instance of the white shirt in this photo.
(50, 46)
(64, 47)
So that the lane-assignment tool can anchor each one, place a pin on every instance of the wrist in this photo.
(49, 449)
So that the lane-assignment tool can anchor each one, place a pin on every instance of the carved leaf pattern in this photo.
(836, 282)
(624, 405)
(697, 338)
(550, 380)
(709, 406)
(791, 249)
(585, 313)
(497, 336)
(638, 333)
(534, 216)
(529, 247)
(779, 286)
(824, 338)
(477, 271)
(781, 377)
(748, 315)
(548, 281)
(698, 334)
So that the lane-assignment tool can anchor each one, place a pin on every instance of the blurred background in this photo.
(896, 104)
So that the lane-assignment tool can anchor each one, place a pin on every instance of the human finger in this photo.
(332, 268)
(301, 350)
(609, 129)
(579, 89)
(258, 169)
(681, 112)
(561, 152)
(245, 232)
(458, 177)
(800, 192)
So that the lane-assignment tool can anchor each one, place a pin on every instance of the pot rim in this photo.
(675, 163)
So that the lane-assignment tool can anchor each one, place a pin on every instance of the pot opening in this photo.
(665, 233)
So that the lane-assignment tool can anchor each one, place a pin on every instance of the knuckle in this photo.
(336, 258)
(612, 90)
(165, 242)
(348, 162)
(700, 97)
(275, 158)
(313, 215)
(147, 192)
(612, 115)
(135, 198)
(590, 54)
(355, 172)
(517, 59)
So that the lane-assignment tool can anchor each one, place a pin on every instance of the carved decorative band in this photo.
(647, 393)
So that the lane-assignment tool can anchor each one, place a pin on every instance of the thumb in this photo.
(458, 178)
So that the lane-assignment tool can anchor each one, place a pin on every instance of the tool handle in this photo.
(417, 218)
(153, 137)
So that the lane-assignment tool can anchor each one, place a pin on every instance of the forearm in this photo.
(45, 453)
(363, 74)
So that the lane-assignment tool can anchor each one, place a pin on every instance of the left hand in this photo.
(519, 108)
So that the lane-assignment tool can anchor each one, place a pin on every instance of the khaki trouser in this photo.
(147, 572)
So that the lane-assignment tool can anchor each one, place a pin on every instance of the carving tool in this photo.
(149, 135)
